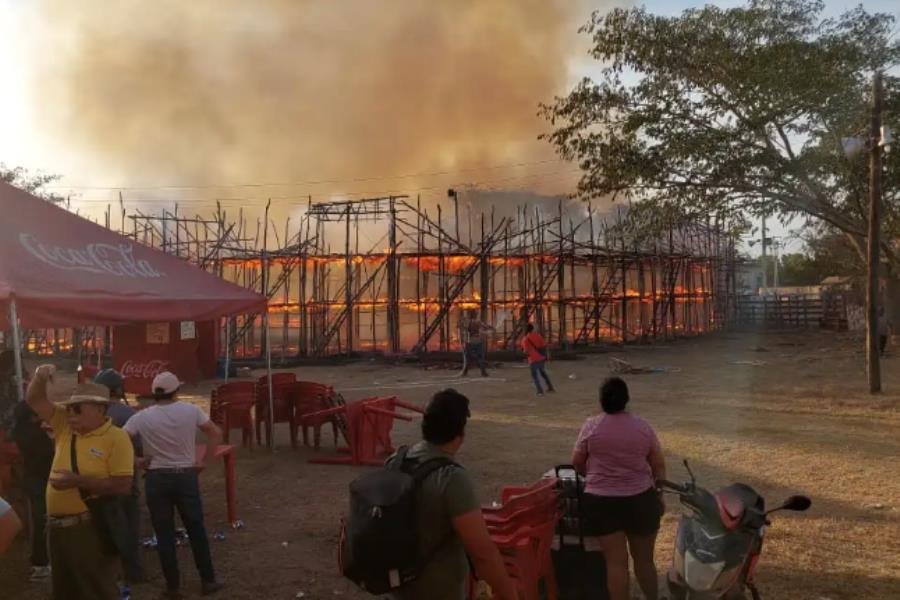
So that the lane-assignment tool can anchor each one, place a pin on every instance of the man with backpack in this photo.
(415, 525)
(536, 350)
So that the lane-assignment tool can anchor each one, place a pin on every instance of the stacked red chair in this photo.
(86, 373)
(308, 398)
(368, 429)
(523, 526)
(283, 408)
(231, 407)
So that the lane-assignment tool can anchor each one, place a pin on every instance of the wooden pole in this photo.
(873, 260)
(484, 275)
(561, 282)
(348, 283)
(393, 282)
(440, 280)
(595, 279)
(264, 277)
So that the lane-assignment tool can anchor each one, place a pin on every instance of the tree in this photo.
(735, 112)
(800, 269)
(31, 183)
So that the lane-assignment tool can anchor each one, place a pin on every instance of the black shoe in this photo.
(210, 587)
(484, 374)
(551, 389)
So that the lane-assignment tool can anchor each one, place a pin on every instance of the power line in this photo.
(299, 199)
(308, 182)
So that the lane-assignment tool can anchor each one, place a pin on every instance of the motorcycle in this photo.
(719, 541)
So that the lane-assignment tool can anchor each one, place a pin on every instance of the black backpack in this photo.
(379, 546)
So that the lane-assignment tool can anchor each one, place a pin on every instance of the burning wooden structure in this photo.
(389, 275)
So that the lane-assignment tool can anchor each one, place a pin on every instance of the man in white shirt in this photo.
(168, 432)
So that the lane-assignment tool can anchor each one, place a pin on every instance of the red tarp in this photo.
(66, 271)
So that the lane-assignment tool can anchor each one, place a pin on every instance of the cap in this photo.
(110, 378)
(88, 392)
(165, 383)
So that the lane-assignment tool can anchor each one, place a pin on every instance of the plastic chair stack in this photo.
(86, 373)
(368, 429)
(231, 407)
(522, 527)
(308, 398)
(283, 409)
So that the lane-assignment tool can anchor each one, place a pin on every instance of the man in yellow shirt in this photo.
(84, 566)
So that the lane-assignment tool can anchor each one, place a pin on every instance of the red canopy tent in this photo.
(60, 270)
(64, 270)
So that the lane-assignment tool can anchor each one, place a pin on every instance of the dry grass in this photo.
(799, 423)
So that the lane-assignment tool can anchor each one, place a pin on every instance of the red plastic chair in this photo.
(277, 379)
(511, 520)
(283, 410)
(232, 404)
(307, 397)
(516, 499)
(523, 527)
(86, 373)
(526, 556)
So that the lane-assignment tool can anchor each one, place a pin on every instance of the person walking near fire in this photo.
(472, 339)
(536, 350)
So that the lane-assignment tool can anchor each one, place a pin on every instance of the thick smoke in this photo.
(229, 91)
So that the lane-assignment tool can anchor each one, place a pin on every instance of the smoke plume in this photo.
(344, 92)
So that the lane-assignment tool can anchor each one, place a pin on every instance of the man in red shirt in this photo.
(536, 349)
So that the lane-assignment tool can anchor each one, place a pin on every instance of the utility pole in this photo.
(872, 289)
(765, 265)
(775, 260)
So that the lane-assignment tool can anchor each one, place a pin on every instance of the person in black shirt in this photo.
(119, 412)
(36, 449)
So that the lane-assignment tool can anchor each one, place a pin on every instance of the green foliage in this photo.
(733, 112)
(800, 269)
(31, 183)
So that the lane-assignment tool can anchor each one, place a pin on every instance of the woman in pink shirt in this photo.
(620, 457)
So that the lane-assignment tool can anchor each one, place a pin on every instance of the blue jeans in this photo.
(166, 492)
(474, 350)
(537, 368)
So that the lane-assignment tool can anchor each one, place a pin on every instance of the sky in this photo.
(29, 139)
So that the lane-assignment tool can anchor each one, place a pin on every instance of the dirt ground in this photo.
(784, 412)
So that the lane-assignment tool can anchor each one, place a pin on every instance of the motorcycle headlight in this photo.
(701, 576)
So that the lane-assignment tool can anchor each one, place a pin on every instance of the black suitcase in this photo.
(580, 573)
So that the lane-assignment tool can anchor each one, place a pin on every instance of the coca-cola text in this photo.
(144, 370)
(115, 260)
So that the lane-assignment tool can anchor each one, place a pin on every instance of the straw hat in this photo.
(88, 392)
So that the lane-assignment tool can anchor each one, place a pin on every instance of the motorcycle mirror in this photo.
(691, 473)
(797, 503)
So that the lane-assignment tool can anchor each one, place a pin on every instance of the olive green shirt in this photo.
(445, 494)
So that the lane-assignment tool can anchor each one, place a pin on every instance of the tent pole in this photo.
(227, 347)
(17, 348)
(271, 439)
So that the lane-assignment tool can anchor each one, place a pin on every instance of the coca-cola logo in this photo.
(144, 370)
(111, 259)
